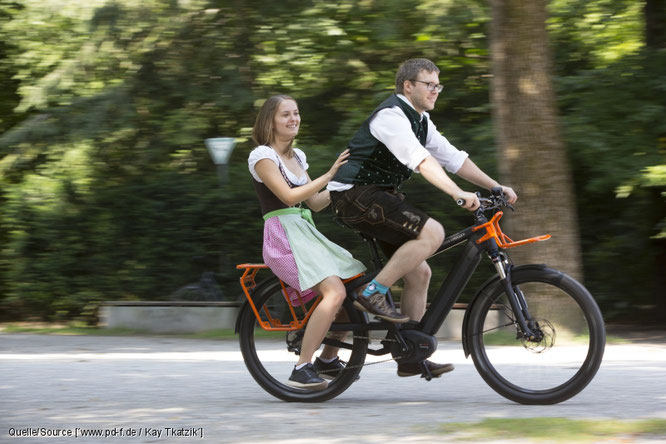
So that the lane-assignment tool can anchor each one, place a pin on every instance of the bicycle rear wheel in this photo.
(552, 369)
(269, 359)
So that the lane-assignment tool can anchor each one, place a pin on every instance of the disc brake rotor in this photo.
(546, 332)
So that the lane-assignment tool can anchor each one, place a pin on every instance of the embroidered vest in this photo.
(370, 161)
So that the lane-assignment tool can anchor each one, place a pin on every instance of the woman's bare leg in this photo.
(333, 295)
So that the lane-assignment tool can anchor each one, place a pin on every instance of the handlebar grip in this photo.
(461, 202)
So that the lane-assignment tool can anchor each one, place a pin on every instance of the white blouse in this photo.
(266, 152)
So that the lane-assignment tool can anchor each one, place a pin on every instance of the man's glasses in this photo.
(431, 86)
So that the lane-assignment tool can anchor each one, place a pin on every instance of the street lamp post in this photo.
(220, 149)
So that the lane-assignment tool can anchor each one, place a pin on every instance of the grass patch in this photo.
(553, 429)
(500, 337)
(230, 334)
(617, 340)
(65, 329)
(497, 338)
(76, 329)
(508, 338)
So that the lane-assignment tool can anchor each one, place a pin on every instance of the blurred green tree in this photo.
(107, 191)
(611, 96)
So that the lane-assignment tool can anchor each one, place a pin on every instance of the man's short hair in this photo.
(410, 69)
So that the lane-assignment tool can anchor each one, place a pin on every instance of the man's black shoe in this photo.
(413, 369)
(376, 304)
(306, 378)
(330, 370)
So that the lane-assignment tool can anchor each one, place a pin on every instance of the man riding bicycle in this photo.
(397, 139)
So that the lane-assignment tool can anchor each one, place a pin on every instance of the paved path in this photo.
(170, 385)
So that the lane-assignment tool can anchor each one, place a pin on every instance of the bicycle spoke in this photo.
(271, 355)
(566, 352)
(499, 327)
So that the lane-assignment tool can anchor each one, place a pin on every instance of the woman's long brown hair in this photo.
(262, 131)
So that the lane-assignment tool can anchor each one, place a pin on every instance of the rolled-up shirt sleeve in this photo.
(392, 127)
(448, 156)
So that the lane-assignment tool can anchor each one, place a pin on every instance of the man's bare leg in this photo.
(415, 292)
(412, 254)
(409, 263)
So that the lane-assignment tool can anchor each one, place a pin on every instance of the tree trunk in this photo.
(533, 159)
(655, 23)
(655, 38)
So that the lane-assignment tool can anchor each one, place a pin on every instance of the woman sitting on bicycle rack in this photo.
(294, 250)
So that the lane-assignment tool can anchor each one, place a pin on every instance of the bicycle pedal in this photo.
(425, 371)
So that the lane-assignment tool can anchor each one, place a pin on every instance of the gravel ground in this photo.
(149, 385)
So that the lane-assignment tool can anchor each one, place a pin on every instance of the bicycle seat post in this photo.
(374, 252)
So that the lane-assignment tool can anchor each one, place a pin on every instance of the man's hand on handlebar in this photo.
(467, 200)
(510, 195)
(496, 200)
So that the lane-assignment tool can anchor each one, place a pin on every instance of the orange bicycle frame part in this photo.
(493, 231)
(300, 314)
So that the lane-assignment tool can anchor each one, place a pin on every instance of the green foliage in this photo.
(616, 144)
(107, 191)
(8, 94)
(594, 34)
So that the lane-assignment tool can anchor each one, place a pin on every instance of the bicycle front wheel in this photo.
(270, 356)
(561, 362)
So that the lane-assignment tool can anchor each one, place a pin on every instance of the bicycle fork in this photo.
(516, 298)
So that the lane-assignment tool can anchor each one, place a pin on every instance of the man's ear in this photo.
(407, 86)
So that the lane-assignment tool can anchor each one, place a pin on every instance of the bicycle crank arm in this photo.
(425, 371)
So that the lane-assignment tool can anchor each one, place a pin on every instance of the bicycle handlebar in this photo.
(496, 200)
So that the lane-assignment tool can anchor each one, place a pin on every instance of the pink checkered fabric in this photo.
(279, 257)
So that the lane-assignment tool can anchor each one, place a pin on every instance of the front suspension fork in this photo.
(515, 297)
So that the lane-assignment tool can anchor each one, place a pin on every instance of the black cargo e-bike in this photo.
(535, 334)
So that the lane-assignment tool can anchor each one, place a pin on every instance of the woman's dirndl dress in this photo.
(294, 250)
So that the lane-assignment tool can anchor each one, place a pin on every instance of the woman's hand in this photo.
(341, 160)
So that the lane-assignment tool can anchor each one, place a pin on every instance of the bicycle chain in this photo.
(364, 364)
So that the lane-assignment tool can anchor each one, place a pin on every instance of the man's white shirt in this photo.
(392, 128)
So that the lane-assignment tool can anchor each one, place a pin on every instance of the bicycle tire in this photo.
(558, 367)
(270, 363)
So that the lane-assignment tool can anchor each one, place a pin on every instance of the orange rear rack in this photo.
(493, 230)
(300, 313)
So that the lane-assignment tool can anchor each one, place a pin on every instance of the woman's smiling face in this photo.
(287, 120)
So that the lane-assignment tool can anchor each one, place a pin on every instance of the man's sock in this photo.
(374, 287)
